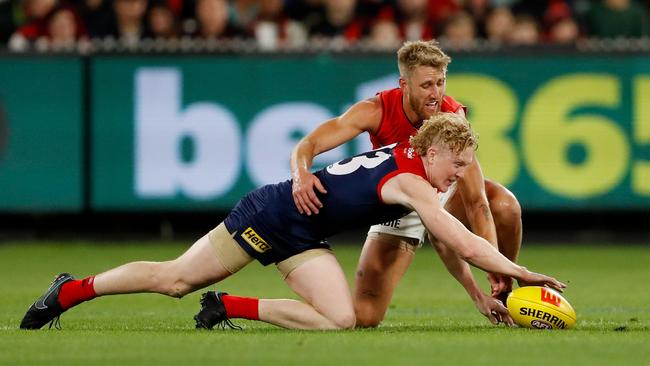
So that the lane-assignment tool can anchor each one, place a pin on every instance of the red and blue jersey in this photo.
(267, 225)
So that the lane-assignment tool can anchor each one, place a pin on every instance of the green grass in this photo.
(431, 320)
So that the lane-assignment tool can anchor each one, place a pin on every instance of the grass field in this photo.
(431, 320)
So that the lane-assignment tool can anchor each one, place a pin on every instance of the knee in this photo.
(504, 205)
(345, 320)
(368, 310)
(365, 320)
(168, 281)
(178, 289)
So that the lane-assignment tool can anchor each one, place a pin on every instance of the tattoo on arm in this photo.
(485, 210)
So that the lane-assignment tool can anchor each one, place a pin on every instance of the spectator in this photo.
(273, 29)
(64, 29)
(617, 18)
(339, 21)
(162, 21)
(60, 29)
(564, 31)
(213, 20)
(459, 31)
(525, 31)
(413, 20)
(384, 34)
(35, 11)
(441, 10)
(560, 26)
(127, 22)
(499, 25)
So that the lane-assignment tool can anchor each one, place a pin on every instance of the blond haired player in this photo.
(488, 208)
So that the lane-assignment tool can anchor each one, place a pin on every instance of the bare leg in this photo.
(383, 262)
(322, 284)
(196, 268)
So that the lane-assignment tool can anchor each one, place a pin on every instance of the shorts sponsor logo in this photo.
(551, 298)
(540, 324)
(394, 224)
(255, 241)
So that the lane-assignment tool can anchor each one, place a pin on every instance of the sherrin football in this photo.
(540, 307)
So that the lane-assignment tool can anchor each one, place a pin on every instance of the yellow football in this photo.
(540, 307)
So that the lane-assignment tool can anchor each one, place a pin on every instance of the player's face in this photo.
(424, 90)
(445, 167)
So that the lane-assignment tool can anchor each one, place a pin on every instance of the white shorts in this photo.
(410, 226)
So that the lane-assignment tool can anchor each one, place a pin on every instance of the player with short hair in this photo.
(376, 186)
(488, 208)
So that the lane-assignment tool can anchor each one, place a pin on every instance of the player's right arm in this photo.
(414, 192)
(361, 117)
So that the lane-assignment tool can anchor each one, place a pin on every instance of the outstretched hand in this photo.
(538, 279)
(494, 310)
(303, 192)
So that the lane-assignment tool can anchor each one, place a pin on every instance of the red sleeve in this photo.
(408, 161)
(450, 105)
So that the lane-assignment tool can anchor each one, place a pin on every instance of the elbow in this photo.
(304, 145)
(467, 253)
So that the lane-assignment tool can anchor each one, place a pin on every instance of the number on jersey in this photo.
(367, 160)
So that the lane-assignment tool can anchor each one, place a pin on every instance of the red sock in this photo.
(241, 307)
(77, 291)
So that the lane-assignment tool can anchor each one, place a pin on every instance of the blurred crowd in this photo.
(292, 24)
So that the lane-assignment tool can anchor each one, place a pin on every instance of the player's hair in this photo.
(420, 53)
(448, 129)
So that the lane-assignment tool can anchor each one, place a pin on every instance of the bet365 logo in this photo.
(550, 297)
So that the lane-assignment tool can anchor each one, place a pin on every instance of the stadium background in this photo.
(119, 145)
(108, 136)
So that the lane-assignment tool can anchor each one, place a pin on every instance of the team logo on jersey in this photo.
(410, 152)
(254, 240)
